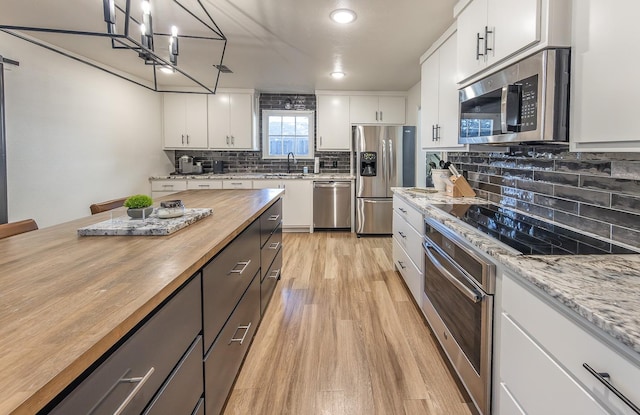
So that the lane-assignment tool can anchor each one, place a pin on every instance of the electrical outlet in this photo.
(321, 164)
(334, 164)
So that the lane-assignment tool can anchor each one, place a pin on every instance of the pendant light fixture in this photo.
(157, 49)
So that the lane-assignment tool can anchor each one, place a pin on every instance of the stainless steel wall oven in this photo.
(458, 303)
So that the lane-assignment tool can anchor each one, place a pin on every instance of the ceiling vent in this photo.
(223, 68)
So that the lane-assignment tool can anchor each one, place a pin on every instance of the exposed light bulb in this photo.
(146, 7)
(174, 31)
(143, 29)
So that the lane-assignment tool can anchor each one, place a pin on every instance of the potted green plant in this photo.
(139, 206)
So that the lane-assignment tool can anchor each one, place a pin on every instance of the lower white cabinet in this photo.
(204, 184)
(160, 188)
(408, 257)
(542, 350)
(297, 202)
(237, 184)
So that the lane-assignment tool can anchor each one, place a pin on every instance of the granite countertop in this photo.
(258, 176)
(602, 289)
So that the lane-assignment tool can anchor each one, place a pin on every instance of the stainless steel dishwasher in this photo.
(331, 205)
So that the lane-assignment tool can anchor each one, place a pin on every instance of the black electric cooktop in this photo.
(528, 235)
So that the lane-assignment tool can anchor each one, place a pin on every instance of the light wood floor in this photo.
(341, 336)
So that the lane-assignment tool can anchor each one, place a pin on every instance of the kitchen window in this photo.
(285, 132)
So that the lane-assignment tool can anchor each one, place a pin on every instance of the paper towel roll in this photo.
(316, 165)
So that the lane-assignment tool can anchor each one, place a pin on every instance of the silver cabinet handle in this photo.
(246, 331)
(401, 264)
(402, 234)
(380, 115)
(244, 265)
(274, 245)
(438, 132)
(486, 41)
(204, 185)
(320, 141)
(227, 140)
(275, 274)
(274, 218)
(187, 138)
(167, 186)
(182, 138)
(233, 141)
(376, 115)
(140, 383)
(402, 210)
(434, 137)
(602, 377)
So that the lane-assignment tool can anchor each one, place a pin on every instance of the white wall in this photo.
(75, 135)
(413, 118)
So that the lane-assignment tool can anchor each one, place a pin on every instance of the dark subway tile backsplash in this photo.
(598, 193)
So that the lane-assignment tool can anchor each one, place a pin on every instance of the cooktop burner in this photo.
(528, 235)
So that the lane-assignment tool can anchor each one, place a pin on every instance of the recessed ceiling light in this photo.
(337, 75)
(343, 16)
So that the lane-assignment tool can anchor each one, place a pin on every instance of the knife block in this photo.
(461, 187)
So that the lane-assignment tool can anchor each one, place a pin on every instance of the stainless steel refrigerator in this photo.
(379, 167)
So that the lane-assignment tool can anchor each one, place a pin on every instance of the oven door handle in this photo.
(468, 292)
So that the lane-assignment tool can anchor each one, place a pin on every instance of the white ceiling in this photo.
(273, 45)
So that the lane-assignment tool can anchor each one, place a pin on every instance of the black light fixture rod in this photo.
(62, 31)
(217, 32)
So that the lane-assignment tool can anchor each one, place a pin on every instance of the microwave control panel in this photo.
(529, 104)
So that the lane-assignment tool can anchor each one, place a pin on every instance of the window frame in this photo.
(310, 114)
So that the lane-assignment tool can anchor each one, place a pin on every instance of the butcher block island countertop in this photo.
(66, 299)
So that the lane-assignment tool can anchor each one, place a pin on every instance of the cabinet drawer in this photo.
(270, 220)
(204, 184)
(530, 374)
(271, 248)
(148, 356)
(223, 361)
(184, 387)
(410, 273)
(237, 184)
(409, 239)
(226, 277)
(409, 213)
(572, 345)
(168, 185)
(269, 281)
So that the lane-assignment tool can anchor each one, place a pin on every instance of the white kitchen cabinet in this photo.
(231, 122)
(542, 349)
(374, 109)
(160, 188)
(603, 93)
(184, 120)
(491, 31)
(204, 184)
(439, 97)
(334, 126)
(237, 184)
(297, 202)
(408, 256)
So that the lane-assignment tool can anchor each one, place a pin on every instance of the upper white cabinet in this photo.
(373, 109)
(491, 31)
(231, 122)
(334, 126)
(439, 97)
(603, 67)
(185, 120)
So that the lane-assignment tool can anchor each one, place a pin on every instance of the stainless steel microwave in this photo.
(525, 102)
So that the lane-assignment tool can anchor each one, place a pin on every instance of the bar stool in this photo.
(108, 205)
(15, 228)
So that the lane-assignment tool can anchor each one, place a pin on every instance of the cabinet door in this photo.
(429, 100)
(471, 23)
(267, 184)
(241, 121)
(297, 203)
(602, 73)
(392, 110)
(218, 115)
(515, 25)
(196, 120)
(363, 109)
(448, 97)
(334, 126)
(173, 120)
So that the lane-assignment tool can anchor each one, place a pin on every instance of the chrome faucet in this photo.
(289, 161)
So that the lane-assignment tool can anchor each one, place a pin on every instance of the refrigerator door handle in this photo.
(384, 160)
(392, 166)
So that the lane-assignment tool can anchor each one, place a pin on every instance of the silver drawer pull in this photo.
(204, 185)
(603, 378)
(274, 218)
(402, 210)
(275, 274)
(402, 234)
(274, 245)
(244, 265)
(246, 331)
(140, 383)
(167, 185)
(401, 264)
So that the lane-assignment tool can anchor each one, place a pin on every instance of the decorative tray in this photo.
(151, 226)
